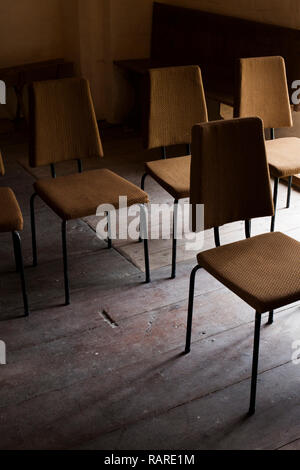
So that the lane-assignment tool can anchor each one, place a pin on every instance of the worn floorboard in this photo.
(108, 372)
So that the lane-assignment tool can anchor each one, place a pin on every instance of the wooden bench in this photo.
(182, 36)
(18, 77)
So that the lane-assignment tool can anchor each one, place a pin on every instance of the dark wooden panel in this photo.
(19, 76)
(215, 42)
(182, 36)
(23, 74)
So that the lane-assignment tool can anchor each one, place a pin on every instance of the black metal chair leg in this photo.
(271, 318)
(288, 202)
(79, 165)
(190, 311)
(109, 240)
(33, 230)
(53, 171)
(147, 262)
(272, 134)
(16, 252)
(143, 189)
(248, 228)
(217, 236)
(255, 363)
(276, 184)
(144, 237)
(174, 246)
(20, 264)
(65, 258)
(143, 181)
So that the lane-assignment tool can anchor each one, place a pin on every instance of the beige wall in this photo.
(91, 16)
(94, 33)
(29, 30)
(33, 30)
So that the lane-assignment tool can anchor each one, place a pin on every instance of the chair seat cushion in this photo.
(11, 218)
(79, 195)
(284, 156)
(173, 175)
(264, 271)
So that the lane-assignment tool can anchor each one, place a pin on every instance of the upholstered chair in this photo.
(264, 271)
(11, 220)
(176, 102)
(262, 91)
(63, 127)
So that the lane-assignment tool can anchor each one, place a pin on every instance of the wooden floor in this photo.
(108, 372)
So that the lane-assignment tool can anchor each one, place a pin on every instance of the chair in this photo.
(263, 92)
(176, 103)
(63, 127)
(264, 271)
(11, 220)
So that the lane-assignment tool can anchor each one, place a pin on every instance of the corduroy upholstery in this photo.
(264, 271)
(177, 102)
(173, 175)
(10, 213)
(284, 156)
(62, 122)
(263, 91)
(2, 169)
(229, 171)
(78, 195)
(64, 127)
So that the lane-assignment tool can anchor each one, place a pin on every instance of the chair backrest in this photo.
(2, 169)
(229, 172)
(262, 91)
(176, 103)
(62, 122)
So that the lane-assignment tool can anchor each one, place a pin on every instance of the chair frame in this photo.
(256, 330)
(20, 268)
(164, 157)
(176, 202)
(276, 186)
(64, 240)
(17, 245)
(256, 338)
(276, 179)
(258, 320)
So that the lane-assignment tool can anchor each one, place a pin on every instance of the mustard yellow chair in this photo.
(264, 271)
(176, 103)
(263, 92)
(63, 127)
(11, 220)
